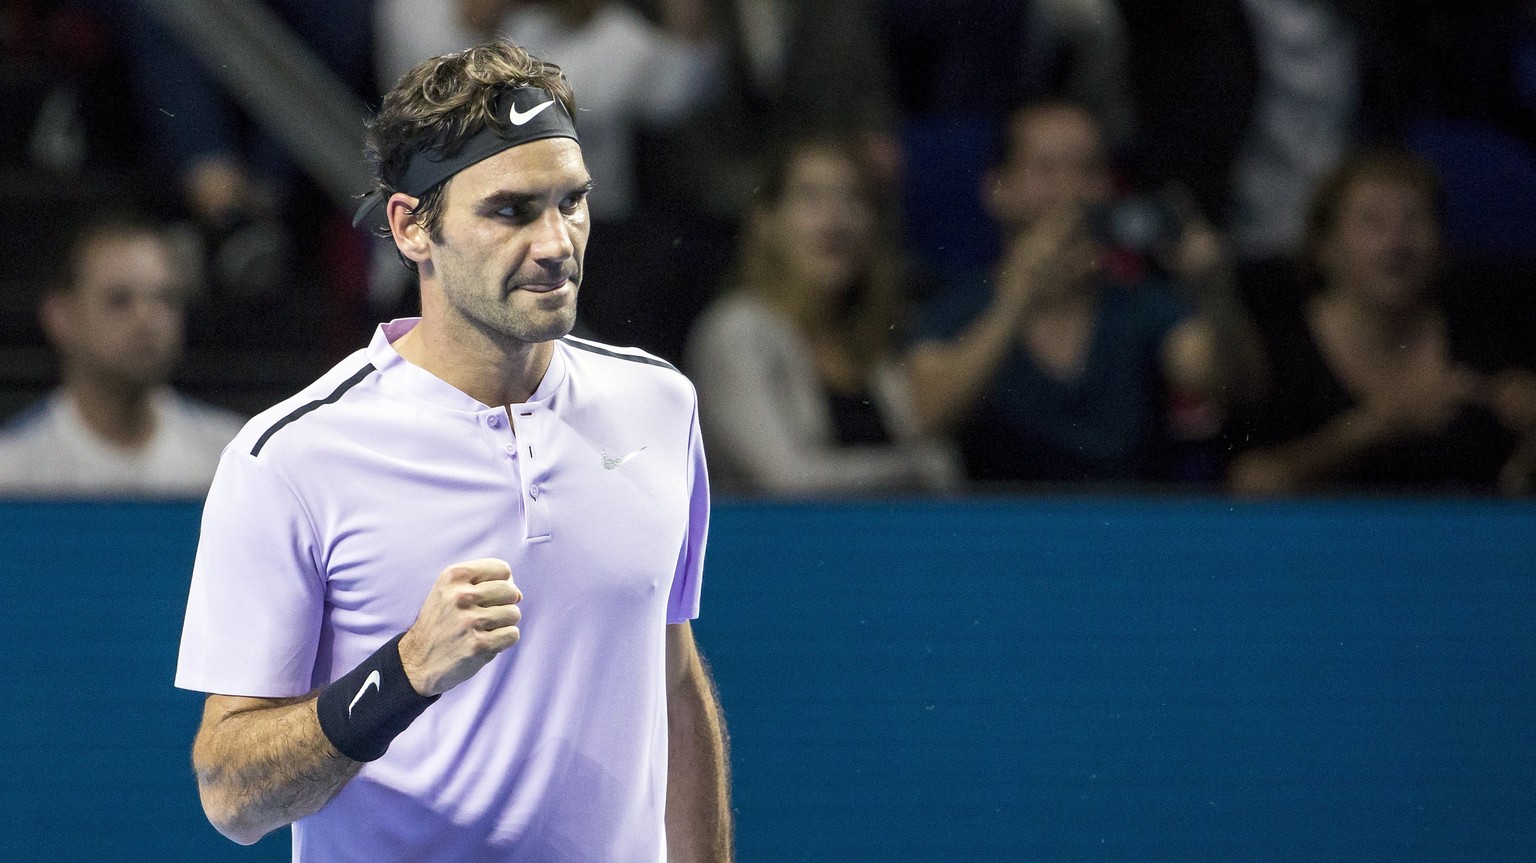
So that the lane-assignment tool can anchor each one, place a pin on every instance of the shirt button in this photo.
(511, 451)
(533, 490)
(493, 421)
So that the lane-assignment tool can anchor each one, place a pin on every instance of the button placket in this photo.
(530, 445)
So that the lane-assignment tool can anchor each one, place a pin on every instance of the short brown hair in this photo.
(445, 101)
(114, 224)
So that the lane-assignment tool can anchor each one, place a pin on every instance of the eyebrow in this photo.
(498, 200)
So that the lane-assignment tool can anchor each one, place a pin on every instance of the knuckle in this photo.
(484, 642)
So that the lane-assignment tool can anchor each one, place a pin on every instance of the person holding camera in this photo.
(1047, 369)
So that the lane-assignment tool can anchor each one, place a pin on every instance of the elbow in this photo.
(229, 812)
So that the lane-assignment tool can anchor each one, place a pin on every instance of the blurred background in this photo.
(1245, 290)
(850, 187)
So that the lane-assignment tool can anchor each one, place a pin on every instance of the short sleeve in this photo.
(257, 597)
(683, 603)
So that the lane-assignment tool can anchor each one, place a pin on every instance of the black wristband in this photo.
(367, 708)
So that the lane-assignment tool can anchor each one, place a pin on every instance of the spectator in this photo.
(799, 390)
(1372, 384)
(114, 427)
(1050, 370)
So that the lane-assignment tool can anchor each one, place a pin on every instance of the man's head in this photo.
(116, 312)
(1053, 153)
(483, 189)
(442, 106)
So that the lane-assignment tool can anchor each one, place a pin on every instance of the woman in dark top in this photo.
(1370, 384)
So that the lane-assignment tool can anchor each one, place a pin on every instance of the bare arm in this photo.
(1421, 404)
(698, 776)
(262, 763)
(1294, 466)
(1217, 354)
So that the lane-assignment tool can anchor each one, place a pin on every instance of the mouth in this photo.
(543, 287)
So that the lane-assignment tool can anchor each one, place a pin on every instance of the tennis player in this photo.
(442, 596)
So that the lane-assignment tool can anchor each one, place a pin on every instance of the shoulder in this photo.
(29, 420)
(288, 423)
(741, 329)
(741, 314)
(208, 419)
(623, 366)
(25, 442)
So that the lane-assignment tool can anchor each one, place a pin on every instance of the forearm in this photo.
(1241, 370)
(947, 378)
(698, 814)
(260, 768)
(1328, 453)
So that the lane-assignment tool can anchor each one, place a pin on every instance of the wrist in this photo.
(364, 710)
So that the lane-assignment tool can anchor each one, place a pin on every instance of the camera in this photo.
(1141, 223)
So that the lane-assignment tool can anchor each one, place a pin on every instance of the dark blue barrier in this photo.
(989, 680)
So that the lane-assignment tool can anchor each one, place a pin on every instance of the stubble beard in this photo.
(516, 316)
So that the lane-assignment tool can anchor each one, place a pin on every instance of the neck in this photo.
(492, 371)
(123, 415)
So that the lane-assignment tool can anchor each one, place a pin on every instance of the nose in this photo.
(552, 242)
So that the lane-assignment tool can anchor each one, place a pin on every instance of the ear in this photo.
(409, 235)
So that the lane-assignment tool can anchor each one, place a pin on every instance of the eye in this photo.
(572, 202)
(521, 213)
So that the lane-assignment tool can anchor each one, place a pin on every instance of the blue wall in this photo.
(988, 680)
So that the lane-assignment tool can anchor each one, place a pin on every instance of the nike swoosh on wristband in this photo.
(611, 463)
(518, 118)
(371, 680)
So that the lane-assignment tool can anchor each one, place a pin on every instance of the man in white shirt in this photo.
(113, 427)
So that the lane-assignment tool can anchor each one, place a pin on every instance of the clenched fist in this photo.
(470, 616)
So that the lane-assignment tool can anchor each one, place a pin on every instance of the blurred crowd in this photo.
(1271, 247)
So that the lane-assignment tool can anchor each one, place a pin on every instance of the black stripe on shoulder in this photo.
(650, 361)
(335, 395)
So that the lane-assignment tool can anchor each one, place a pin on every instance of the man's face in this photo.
(123, 322)
(514, 231)
(1056, 157)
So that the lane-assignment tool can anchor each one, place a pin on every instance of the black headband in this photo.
(520, 115)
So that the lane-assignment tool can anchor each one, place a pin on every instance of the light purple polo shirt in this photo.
(332, 514)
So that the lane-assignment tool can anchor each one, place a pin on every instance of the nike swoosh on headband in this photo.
(520, 118)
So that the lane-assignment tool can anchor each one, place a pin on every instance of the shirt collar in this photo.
(422, 384)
